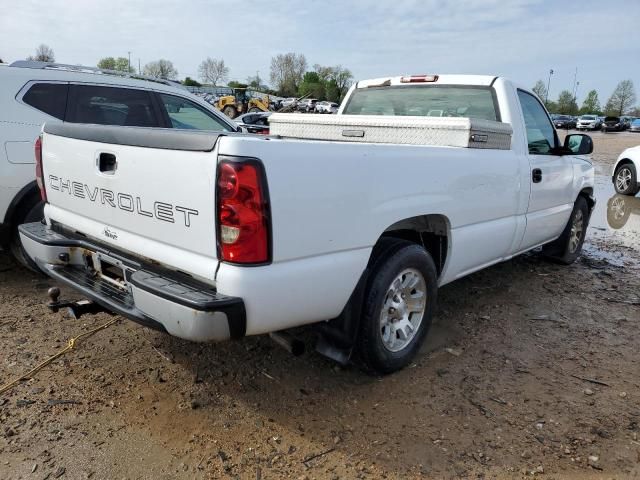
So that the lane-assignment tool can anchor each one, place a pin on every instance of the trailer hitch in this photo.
(76, 309)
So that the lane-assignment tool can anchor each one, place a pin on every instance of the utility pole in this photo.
(139, 70)
(129, 63)
(546, 100)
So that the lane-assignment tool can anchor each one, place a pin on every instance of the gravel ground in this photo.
(531, 369)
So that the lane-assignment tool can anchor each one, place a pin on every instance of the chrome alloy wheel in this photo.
(403, 309)
(623, 179)
(577, 228)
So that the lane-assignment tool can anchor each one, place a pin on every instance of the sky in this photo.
(518, 39)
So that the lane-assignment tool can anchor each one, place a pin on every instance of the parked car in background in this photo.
(307, 105)
(635, 125)
(625, 172)
(289, 103)
(326, 107)
(588, 122)
(612, 124)
(257, 122)
(32, 93)
(565, 121)
(626, 122)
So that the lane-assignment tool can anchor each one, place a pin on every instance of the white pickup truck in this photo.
(211, 236)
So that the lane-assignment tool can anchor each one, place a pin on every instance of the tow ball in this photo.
(76, 308)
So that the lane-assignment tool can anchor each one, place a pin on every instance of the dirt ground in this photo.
(531, 369)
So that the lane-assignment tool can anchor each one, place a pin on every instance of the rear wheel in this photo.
(399, 304)
(625, 180)
(567, 248)
(33, 211)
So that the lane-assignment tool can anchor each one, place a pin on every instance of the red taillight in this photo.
(39, 174)
(243, 212)
(419, 79)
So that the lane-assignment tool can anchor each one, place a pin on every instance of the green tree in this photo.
(621, 100)
(540, 90)
(236, 84)
(552, 107)
(337, 81)
(190, 82)
(591, 104)
(120, 64)
(566, 103)
(312, 86)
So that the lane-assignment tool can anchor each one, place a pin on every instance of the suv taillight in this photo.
(243, 212)
(39, 174)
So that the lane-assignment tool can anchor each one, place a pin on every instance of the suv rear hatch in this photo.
(148, 192)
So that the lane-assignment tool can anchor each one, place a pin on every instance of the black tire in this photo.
(254, 110)
(32, 211)
(392, 258)
(230, 111)
(625, 179)
(567, 248)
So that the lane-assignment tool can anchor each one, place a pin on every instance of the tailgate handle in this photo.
(107, 163)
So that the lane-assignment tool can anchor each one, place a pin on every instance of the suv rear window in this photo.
(50, 98)
(111, 106)
(424, 101)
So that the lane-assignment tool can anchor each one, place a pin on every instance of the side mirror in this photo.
(242, 129)
(578, 144)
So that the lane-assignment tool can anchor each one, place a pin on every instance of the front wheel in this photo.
(567, 248)
(399, 303)
(230, 111)
(626, 179)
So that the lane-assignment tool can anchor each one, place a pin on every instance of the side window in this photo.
(188, 115)
(111, 106)
(541, 135)
(50, 98)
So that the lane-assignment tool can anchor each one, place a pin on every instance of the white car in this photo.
(32, 93)
(326, 107)
(231, 235)
(625, 172)
(588, 122)
(289, 103)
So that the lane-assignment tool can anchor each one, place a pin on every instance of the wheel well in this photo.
(430, 231)
(18, 205)
(587, 194)
(624, 161)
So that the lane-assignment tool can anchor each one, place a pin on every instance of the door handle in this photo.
(536, 175)
(107, 163)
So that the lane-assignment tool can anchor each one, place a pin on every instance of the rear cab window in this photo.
(49, 98)
(112, 106)
(425, 101)
(185, 114)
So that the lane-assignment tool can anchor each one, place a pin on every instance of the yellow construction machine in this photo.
(241, 102)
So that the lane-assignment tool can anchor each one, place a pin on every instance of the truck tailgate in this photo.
(157, 203)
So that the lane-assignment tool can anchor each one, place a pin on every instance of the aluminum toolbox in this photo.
(438, 131)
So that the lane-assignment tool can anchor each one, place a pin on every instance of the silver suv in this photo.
(32, 93)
